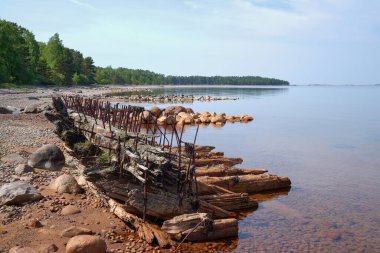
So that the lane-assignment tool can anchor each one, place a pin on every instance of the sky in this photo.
(302, 41)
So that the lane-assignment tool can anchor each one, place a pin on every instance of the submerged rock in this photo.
(17, 193)
(48, 157)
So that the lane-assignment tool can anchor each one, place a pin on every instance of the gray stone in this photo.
(5, 110)
(23, 168)
(13, 159)
(32, 109)
(33, 98)
(17, 193)
(66, 184)
(48, 157)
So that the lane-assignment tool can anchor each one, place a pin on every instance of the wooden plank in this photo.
(134, 172)
(215, 211)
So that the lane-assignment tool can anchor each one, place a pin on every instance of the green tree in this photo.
(88, 69)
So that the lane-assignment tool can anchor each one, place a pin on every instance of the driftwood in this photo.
(231, 201)
(249, 183)
(146, 231)
(222, 170)
(200, 227)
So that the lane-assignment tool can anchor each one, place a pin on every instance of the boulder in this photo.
(155, 111)
(86, 244)
(66, 184)
(146, 116)
(170, 110)
(170, 120)
(245, 118)
(69, 210)
(17, 193)
(32, 109)
(197, 121)
(204, 119)
(218, 118)
(189, 110)
(186, 117)
(205, 114)
(74, 231)
(161, 120)
(22, 169)
(230, 118)
(48, 157)
(183, 114)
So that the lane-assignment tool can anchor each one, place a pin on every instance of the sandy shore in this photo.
(20, 135)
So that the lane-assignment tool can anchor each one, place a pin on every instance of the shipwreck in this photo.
(168, 189)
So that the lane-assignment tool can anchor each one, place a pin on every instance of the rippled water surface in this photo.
(327, 140)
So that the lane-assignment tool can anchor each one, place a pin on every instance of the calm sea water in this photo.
(326, 139)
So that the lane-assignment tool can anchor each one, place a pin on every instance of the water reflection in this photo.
(218, 91)
(223, 91)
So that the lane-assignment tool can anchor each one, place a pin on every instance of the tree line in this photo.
(23, 60)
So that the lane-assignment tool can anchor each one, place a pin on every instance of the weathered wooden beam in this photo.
(218, 160)
(215, 211)
(221, 229)
(231, 201)
(222, 170)
(249, 183)
(200, 227)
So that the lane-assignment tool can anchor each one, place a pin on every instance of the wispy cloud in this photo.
(84, 5)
